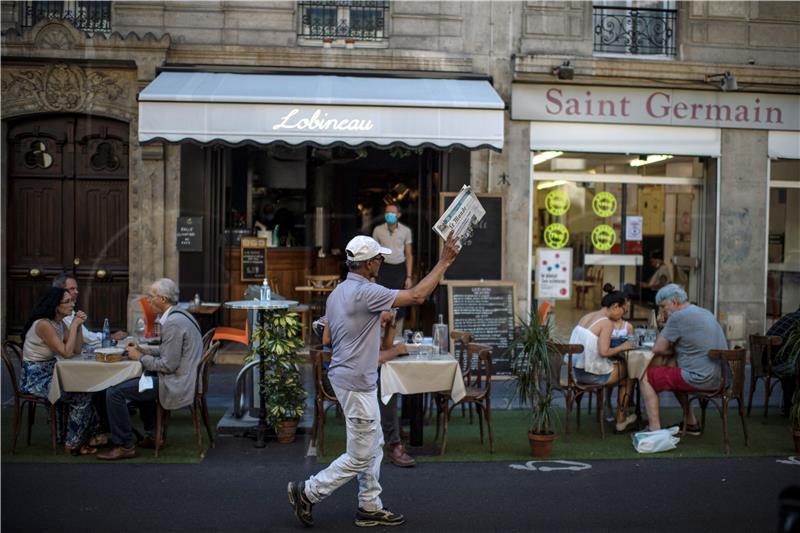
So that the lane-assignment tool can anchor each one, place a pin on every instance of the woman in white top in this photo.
(46, 336)
(597, 364)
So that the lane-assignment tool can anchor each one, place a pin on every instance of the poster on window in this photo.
(633, 228)
(554, 273)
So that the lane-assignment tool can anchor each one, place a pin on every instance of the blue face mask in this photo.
(390, 218)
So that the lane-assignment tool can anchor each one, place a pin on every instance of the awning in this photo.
(321, 110)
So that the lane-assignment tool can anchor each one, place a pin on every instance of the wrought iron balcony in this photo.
(92, 17)
(636, 31)
(358, 20)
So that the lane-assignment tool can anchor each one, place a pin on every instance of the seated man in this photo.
(175, 364)
(94, 339)
(647, 289)
(783, 368)
(689, 333)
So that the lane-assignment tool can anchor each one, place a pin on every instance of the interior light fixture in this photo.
(726, 81)
(550, 184)
(541, 157)
(565, 71)
(649, 159)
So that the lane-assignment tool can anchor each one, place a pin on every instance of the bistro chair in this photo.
(324, 397)
(208, 336)
(149, 316)
(575, 391)
(761, 352)
(478, 393)
(199, 406)
(593, 279)
(544, 309)
(322, 281)
(731, 362)
(226, 333)
(11, 353)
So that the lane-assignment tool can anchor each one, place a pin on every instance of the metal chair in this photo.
(733, 362)
(13, 351)
(199, 407)
(761, 348)
(324, 397)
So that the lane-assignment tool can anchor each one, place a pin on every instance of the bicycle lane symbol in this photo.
(542, 466)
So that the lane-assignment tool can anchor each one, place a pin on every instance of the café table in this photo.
(205, 313)
(83, 373)
(260, 308)
(420, 372)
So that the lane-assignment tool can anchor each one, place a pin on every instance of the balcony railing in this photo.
(358, 20)
(627, 30)
(92, 17)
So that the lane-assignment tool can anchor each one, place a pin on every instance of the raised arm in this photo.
(417, 294)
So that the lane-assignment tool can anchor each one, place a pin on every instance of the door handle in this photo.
(76, 261)
(35, 272)
(100, 274)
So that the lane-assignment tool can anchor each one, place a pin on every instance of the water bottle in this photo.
(266, 292)
(140, 330)
(106, 342)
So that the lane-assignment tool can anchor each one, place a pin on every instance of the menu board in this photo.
(485, 309)
(189, 237)
(254, 258)
(482, 254)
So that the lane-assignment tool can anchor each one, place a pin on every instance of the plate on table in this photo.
(109, 355)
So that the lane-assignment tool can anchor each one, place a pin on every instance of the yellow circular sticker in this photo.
(557, 202)
(556, 236)
(604, 204)
(603, 237)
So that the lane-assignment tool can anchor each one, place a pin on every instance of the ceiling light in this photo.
(541, 157)
(550, 184)
(650, 159)
(565, 71)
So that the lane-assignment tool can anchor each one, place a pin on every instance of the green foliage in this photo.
(278, 340)
(532, 367)
(790, 351)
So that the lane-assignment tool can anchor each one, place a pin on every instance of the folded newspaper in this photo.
(461, 217)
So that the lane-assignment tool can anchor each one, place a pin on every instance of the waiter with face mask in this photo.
(397, 270)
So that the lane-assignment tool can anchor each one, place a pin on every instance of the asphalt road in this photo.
(239, 488)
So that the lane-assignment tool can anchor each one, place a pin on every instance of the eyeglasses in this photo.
(378, 257)
(65, 302)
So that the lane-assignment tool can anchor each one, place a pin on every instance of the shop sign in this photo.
(554, 273)
(319, 121)
(557, 202)
(663, 107)
(189, 236)
(603, 237)
(604, 204)
(556, 236)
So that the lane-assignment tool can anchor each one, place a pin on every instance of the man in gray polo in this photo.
(354, 314)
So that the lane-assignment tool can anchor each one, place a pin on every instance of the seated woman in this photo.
(47, 335)
(597, 365)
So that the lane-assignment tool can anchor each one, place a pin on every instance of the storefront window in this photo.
(783, 253)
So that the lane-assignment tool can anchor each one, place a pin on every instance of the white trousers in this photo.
(363, 456)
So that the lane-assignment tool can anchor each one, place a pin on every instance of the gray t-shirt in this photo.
(354, 311)
(693, 331)
(395, 240)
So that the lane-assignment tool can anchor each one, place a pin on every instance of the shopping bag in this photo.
(660, 440)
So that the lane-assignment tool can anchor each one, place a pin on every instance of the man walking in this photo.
(354, 313)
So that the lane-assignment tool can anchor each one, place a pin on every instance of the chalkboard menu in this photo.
(254, 258)
(190, 234)
(482, 254)
(485, 309)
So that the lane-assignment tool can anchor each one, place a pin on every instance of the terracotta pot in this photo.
(286, 430)
(797, 441)
(541, 444)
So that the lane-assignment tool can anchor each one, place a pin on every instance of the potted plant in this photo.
(532, 369)
(790, 351)
(276, 339)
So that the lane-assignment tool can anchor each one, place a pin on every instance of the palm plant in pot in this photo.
(532, 369)
(790, 351)
(276, 338)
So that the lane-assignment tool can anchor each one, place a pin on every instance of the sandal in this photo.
(82, 450)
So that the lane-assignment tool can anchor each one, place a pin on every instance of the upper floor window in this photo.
(343, 20)
(92, 17)
(633, 27)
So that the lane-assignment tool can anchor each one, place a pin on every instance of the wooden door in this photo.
(68, 211)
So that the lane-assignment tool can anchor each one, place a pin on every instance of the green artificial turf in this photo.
(768, 437)
(181, 444)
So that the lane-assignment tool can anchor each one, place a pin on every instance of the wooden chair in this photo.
(478, 393)
(733, 362)
(320, 281)
(461, 340)
(761, 350)
(199, 406)
(11, 353)
(592, 279)
(324, 397)
(575, 391)
(208, 336)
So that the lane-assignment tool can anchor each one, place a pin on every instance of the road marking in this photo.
(574, 466)
(792, 460)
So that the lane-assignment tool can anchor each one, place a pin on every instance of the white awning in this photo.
(321, 110)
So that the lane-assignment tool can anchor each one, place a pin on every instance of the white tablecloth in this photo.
(414, 374)
(87, 375)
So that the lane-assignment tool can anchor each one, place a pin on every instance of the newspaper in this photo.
(461, 217)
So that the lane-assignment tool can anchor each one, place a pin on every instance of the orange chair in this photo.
(544, 310)
(225, 333)
(149, 317)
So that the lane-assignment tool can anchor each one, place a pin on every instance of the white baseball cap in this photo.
(361, 248)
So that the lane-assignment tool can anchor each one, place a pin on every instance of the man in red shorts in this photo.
(688, 335)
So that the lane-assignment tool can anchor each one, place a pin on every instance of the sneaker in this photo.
(382, 517)
(622, 427)
(300, 502)
(695, 430)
